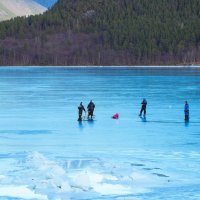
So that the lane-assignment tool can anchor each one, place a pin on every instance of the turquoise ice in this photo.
(46, 154)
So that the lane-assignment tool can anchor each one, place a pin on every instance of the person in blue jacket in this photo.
(186, 111)
(143, 108)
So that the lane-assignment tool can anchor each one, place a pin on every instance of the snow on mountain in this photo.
(13, 8)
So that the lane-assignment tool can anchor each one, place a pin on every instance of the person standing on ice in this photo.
(143, 108)
(186, 111)
(90, 108)
(80, 111)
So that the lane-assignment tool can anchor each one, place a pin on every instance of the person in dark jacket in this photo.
(143, 108)
(186, 111)
(80, 111)
(90, 108)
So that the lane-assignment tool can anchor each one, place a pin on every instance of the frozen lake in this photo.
(46, 154)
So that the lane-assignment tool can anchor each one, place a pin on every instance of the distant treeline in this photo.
(105, 32)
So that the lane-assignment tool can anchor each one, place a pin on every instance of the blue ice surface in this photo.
(43, 149)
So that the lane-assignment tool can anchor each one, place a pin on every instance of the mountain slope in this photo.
(14, 8)
(102, 32)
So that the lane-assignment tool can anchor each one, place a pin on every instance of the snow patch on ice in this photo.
(111, 189)
(44, 178)
(51, 174)
(20, 192)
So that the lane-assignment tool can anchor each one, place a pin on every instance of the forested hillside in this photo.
(102, 32)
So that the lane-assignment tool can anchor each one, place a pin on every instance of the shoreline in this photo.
(113, 67)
